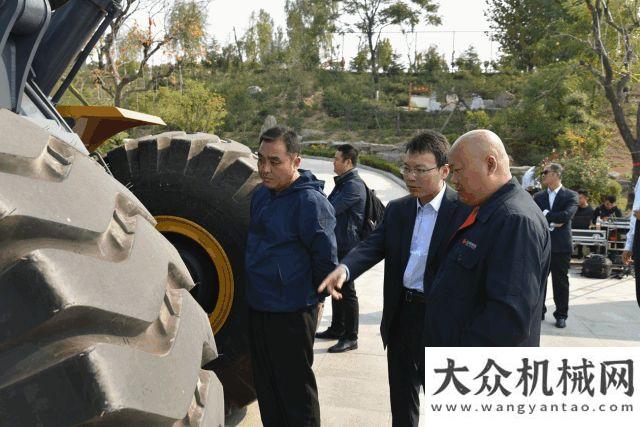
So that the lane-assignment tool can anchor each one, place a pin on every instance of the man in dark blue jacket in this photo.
(348, 198)
(558, 204)
(291, 247)
(489, 289)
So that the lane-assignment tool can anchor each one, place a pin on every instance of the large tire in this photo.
(96, 322)
(199, 188)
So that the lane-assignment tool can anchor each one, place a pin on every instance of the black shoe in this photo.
(343, 345)
(561, 323)
(328, 335)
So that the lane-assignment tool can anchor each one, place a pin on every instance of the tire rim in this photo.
(217, 255)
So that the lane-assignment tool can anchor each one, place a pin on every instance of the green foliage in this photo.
(310, 24)
(535, 33)
(431, 62)
(584, 172)
(259, 45)
(477, 120)
(380, 164)
(196, 109)
(613, 188)
(374, 15)
(554, 114)
(360, 62)
(469, 61)
(187, 29)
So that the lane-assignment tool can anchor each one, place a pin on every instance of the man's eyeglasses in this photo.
(417, 172)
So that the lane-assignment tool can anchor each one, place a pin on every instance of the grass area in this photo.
(367, 160)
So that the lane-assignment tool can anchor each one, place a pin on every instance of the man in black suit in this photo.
(558, 205)
(411, 238)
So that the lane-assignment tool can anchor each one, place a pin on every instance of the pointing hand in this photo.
(333, 282)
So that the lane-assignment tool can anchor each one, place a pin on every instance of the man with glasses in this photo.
(412, 239)
(558, 205)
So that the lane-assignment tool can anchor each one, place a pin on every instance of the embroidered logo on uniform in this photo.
(469, 244)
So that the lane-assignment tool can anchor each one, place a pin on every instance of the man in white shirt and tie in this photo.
(632, 245)
(412, 239)
(558, 205)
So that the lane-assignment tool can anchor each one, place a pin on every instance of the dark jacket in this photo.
(582, 218)
(348, 199)
(391, 240)
(291, 246)
(489, 290)
(564, 208)
(602, 212)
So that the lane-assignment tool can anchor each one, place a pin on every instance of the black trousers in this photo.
(636, 260)
(560, 279)
(405, 363)
(281, 359)
(344, 319)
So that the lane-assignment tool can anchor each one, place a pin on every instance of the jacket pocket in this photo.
(462, 281)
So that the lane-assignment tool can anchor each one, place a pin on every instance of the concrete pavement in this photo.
(353, 388)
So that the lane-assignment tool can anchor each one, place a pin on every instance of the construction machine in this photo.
(115, 272)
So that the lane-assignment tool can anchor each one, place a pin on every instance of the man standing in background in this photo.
(632, 245)
(558, 205)
(348, 198)
(582, 218)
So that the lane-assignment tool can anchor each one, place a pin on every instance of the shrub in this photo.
(195, 109)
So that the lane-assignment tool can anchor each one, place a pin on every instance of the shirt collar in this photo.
(436, 201)
(554, 191)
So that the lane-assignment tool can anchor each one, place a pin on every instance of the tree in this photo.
(617, 64)
(310, 24)
(469, 61)
(124, 53)
(187, 22)
(258, 40)
(195, 109)
(388, 60)
(431, 62)
(534, 33)
(373, 16)
(360, 63)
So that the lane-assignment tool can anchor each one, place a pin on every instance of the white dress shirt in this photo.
(632, 224)
(426, 217)
(552, 198)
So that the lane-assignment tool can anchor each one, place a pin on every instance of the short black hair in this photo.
(284, 134)
(429, 141)
(585, 193)
(348, 151)
(555, 167)
(611, 198)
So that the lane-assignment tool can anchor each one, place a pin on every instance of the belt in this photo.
(410, 295)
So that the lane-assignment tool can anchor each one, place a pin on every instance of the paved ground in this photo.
(352, 386)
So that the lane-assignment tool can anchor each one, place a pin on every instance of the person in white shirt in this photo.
(412, 239)
(558, 205)
(631, 248)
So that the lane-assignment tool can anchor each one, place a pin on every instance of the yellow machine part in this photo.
(174, 224)
(95, 124)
